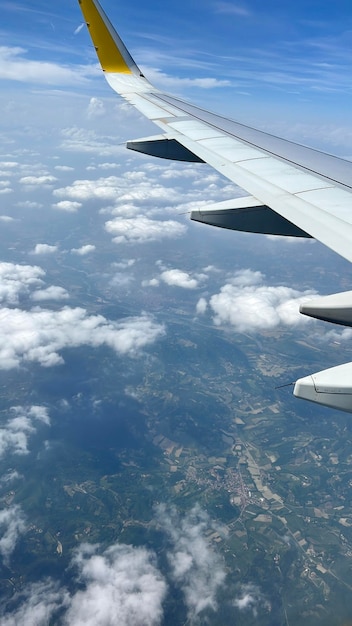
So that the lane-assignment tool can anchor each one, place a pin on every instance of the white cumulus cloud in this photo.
(54, 292)
(178, 278)
(202, 306)
(67, 205)
(153, 282)
(37, 412)
(44, 248)
(38, 180)
(141, 229)
(107, 188)
(39, 335)
(127, 189)
(17, 280)
(247, 304)
(121, 586)
(6, 218)
(83, 250)
(124, 264)
(64, 168)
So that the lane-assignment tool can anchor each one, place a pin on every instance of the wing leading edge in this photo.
(294, 190)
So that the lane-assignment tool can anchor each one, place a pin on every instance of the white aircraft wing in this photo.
(293, 190)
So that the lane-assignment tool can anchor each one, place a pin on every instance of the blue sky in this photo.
(279, 65)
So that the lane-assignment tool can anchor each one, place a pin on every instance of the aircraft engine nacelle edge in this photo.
(335, 308)
(331, 387)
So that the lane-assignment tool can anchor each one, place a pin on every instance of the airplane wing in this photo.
(292, 190)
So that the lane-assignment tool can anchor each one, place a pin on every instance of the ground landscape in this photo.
(181, 441)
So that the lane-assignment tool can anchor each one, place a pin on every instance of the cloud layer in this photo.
(124, 584)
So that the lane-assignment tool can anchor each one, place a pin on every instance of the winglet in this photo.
(112, 53)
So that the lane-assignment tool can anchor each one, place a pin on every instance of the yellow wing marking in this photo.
(106, 45)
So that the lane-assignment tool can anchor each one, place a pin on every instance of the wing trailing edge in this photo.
(164, 147)
(247, 215)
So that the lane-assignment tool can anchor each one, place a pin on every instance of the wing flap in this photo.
(164, 147)
(248, 215)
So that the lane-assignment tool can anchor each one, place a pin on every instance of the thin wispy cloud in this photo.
(232, 8)
(16, 66)
(161, 79)
(15, 433)
(195, 565)
(12, 526)
(78, 29)
(37, 604)
(96, 108)
(251, 599)
(84, 140)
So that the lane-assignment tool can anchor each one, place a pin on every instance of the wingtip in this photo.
(111, 51)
